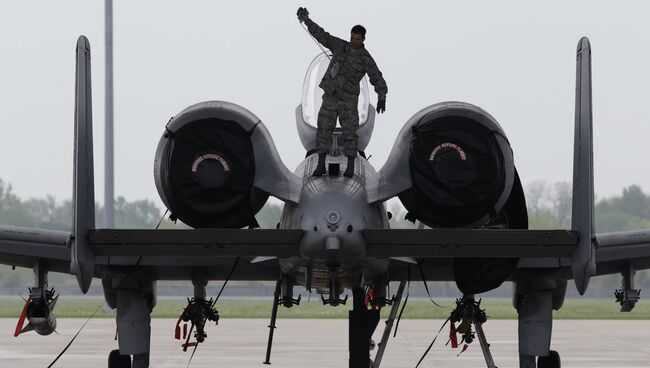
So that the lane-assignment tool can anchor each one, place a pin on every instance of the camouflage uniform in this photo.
(341, 86)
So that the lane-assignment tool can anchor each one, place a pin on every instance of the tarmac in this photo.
(322, 343)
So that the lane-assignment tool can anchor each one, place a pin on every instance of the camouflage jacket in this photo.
(348, 65)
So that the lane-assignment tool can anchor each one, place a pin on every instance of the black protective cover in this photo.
(207, 175)
(478, 275)
(457, 172)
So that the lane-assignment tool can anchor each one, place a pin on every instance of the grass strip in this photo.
(261, 308)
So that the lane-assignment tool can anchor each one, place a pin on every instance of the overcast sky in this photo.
(515, 59)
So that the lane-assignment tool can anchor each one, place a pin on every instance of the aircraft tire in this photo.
(550, 361)
(115, 360)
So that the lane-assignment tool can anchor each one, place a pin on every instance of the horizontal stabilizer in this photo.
(197, 242)
(470, 243)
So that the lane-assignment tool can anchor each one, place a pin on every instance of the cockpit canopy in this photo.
(312, 95)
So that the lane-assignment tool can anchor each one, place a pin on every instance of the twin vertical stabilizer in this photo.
(582, 219)
(82, 258)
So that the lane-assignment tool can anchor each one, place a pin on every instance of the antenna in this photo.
(109, 192)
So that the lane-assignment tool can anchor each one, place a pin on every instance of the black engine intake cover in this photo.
(205, 167)
(461, 169)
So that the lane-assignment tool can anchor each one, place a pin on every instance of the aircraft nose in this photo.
(333, 219)
(332, 225)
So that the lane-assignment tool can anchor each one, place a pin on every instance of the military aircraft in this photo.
(216, 165)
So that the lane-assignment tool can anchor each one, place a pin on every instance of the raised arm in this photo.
(325, 39)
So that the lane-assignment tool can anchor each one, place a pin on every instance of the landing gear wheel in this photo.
(550, 361)
(527, 361)
(115, 360)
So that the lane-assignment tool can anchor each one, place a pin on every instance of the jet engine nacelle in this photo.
(460, 165)
(206, 166)
(452, 166)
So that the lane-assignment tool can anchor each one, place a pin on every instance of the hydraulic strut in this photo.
(389, 324)
(485, 347)
(274, 315)
(468, 312)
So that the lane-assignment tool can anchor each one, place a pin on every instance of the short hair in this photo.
(359, 29)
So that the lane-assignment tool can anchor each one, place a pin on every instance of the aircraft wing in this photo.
(619, 250)
(20, 246)
(195, 242)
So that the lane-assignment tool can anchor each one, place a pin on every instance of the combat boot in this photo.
(349, 170)
(320, 168)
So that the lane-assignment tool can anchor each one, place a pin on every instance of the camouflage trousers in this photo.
(345, 109)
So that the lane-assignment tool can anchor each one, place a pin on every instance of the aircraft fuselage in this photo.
(332, 211)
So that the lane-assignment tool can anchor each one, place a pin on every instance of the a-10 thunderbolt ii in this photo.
(216, 165)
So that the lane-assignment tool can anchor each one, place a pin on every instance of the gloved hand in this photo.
(302, 14)
(381, 105)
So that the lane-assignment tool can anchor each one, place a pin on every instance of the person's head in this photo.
(357, 36)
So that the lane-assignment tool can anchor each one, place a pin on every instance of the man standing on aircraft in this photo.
(349, 63)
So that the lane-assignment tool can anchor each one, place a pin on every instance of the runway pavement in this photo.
(323, 343)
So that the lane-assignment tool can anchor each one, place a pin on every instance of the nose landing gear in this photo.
(362, 324)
